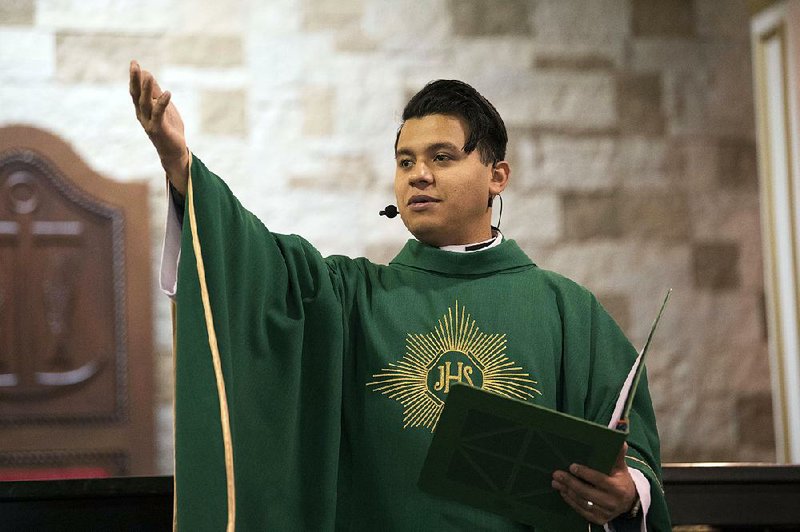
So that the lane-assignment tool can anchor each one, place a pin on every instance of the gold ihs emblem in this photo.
(454, 352)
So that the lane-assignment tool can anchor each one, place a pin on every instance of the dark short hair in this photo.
(485, 128)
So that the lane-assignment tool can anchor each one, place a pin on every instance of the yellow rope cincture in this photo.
(212, 344)
(645, 464)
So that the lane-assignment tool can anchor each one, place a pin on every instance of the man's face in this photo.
(442, 193)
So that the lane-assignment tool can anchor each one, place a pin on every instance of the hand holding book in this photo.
(595, 496)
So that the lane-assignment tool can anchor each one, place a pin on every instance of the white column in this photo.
(776, 36)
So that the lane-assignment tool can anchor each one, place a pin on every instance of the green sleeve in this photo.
(643, 442)
(597, 359)
(276, 314)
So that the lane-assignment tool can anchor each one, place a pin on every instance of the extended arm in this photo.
(162, 123)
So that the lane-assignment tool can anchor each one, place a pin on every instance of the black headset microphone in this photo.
(390, 211)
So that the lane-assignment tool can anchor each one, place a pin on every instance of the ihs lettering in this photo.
(464, 373)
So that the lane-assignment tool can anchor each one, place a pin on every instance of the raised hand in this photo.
(597, 497)
(162, 123)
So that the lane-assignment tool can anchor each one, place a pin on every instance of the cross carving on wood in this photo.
(36, 371)
(58, 314)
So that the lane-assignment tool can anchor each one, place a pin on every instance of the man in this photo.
(308, 388)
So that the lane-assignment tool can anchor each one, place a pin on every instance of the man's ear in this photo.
(500, 174)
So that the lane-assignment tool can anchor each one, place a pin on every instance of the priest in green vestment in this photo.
(307, 388)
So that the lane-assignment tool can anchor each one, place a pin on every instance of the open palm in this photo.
(162, 123)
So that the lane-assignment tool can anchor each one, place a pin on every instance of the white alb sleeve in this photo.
(171, 250)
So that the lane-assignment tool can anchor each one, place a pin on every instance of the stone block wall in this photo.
(632, 150)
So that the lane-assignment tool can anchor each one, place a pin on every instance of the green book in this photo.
(499, 454)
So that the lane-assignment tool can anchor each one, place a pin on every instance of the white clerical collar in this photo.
(497, 238)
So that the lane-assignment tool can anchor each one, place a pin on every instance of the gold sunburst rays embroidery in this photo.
(454, 351)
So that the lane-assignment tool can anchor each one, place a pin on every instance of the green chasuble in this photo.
(308, 388)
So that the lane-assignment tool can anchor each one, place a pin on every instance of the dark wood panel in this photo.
(728, 498)
(734, 495)
(132, 504)
(68, 317)
(76, 350)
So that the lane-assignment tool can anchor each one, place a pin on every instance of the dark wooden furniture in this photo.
(76, 394)
(734, 496)
(729, 497)
(133, 504)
